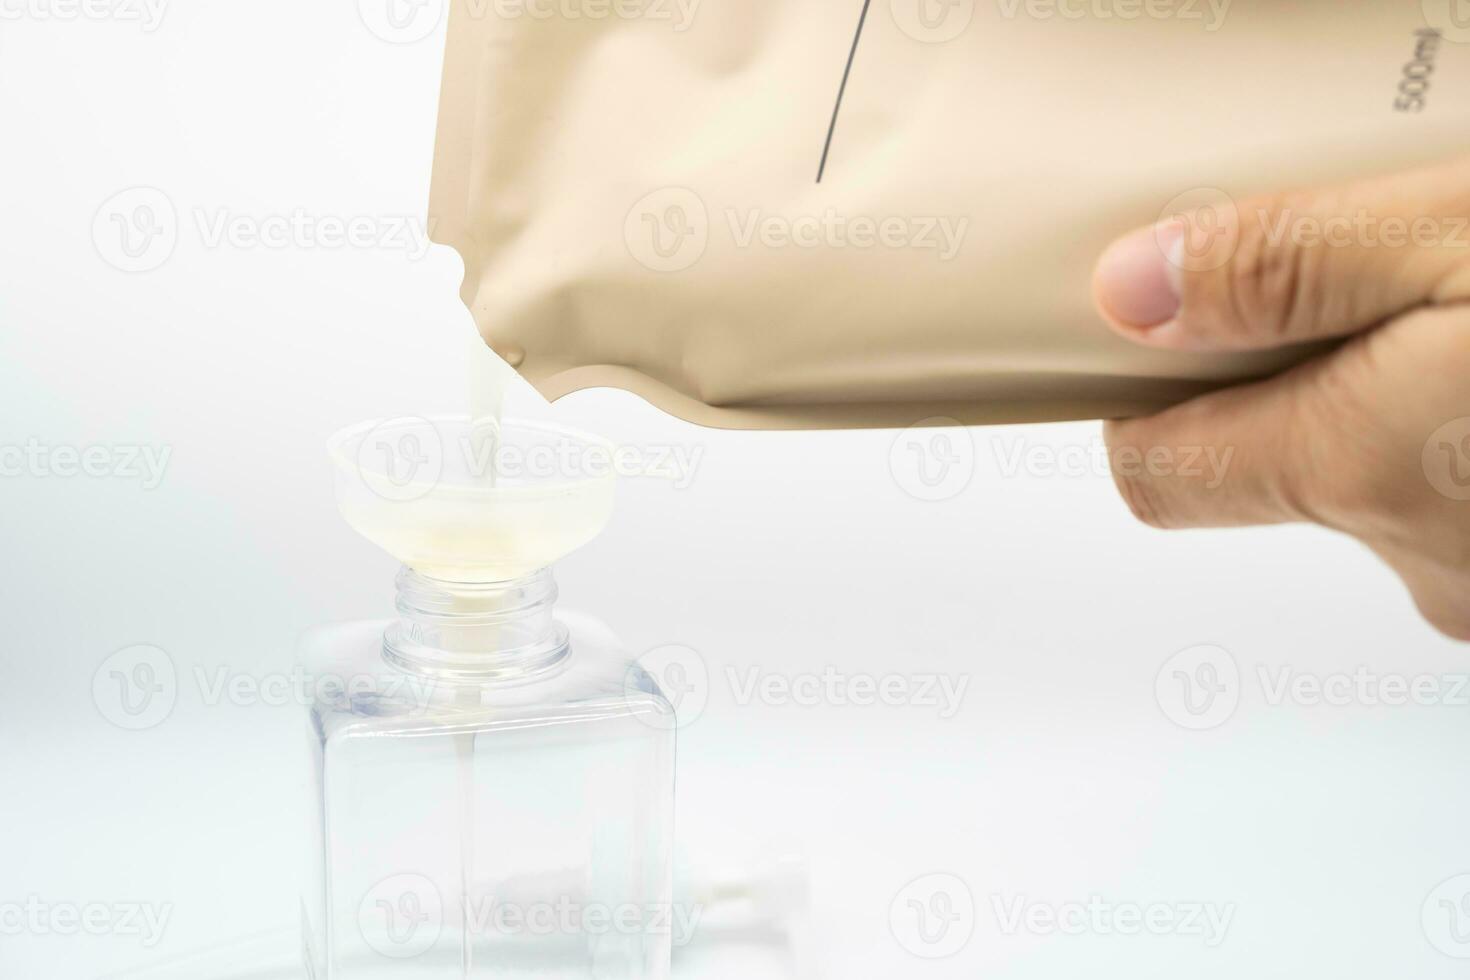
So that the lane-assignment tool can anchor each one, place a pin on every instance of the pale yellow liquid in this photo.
(477, 525)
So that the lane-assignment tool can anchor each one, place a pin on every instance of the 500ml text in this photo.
(1414, 86)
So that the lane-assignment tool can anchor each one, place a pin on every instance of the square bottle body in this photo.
(516, 823)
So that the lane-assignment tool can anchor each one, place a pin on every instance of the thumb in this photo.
(1292, 268)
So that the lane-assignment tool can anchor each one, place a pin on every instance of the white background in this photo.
(1325, 828)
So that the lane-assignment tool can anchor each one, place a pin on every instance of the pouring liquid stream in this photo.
(489, 377)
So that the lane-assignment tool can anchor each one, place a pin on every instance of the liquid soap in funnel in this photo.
(473, 502)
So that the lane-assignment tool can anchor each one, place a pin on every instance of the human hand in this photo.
(1372, 436)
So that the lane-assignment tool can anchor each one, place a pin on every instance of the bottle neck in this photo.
(482, 631)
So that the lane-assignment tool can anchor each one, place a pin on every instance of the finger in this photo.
(1228, 459)
(1292, 268)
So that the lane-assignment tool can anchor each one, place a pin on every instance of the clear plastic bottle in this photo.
(492, 790)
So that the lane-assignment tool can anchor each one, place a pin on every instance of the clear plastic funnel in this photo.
(465, 501)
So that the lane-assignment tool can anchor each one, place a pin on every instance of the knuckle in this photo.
(1272, 279)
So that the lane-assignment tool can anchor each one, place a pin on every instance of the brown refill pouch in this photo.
(867, 213)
